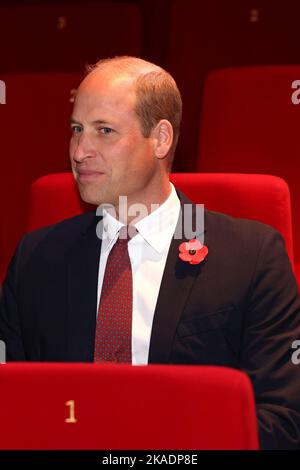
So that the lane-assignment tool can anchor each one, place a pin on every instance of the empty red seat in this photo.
(34, 125)
(209, 35)
(90, 406)
(54, 198)
(250, 125)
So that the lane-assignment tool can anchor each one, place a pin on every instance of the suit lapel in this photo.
(83, 263)
(177, 281)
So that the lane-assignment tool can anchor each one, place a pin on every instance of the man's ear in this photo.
(163, 135)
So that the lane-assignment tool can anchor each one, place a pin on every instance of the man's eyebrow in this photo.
(98, 121)
(73, 121)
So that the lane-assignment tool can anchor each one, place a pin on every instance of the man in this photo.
(232, 302)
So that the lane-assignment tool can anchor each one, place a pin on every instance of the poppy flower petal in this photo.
(185, 256)
(183, 247)
(193, 251)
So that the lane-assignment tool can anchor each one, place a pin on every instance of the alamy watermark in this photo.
(2, 352)
(295, 97)
(190, 223)
(296, 354)
(2, 92)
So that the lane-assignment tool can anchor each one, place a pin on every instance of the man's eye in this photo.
(106, 130)
(76, 129)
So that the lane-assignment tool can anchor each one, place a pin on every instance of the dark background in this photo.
(188, 37)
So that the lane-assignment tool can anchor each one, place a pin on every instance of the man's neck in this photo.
(128, 211)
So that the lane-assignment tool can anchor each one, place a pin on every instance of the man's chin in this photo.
(89, 197)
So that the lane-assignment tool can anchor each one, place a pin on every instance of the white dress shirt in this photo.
(148, 251)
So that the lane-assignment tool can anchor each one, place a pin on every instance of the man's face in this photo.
(109, 155)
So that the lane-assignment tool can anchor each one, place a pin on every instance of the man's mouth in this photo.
(87, 175)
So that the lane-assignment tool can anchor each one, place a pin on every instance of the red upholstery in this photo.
(249, 125)
(259, 197)
(54, 198)
(35, 134)
(205, 35)
(124, 407)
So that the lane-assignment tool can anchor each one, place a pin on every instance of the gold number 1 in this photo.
(71, 418)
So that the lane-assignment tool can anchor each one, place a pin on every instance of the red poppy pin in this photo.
(193, 251)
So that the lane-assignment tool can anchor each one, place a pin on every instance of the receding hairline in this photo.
(130, 66)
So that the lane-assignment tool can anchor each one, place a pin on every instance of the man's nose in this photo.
(82, 148)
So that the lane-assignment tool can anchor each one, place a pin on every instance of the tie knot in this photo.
(127, 232)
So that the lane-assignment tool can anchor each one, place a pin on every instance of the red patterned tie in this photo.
(114, 321)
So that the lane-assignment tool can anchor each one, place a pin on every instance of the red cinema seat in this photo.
(249, 124)
(52, 199)
(35, 134)
(259, 197)
(209, 35)
(90, 406)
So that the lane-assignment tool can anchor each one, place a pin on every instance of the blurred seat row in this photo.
(265, 198)
(188, 37)
(249, 125)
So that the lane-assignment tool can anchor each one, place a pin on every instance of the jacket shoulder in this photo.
(60, 235)
(233, 226)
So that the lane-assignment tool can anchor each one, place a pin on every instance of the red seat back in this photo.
(35, 134)
(259, 197)
(250, 125)
(125, 407)
(54, 198)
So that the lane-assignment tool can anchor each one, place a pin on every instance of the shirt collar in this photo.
(156, 229)
(111, 228)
